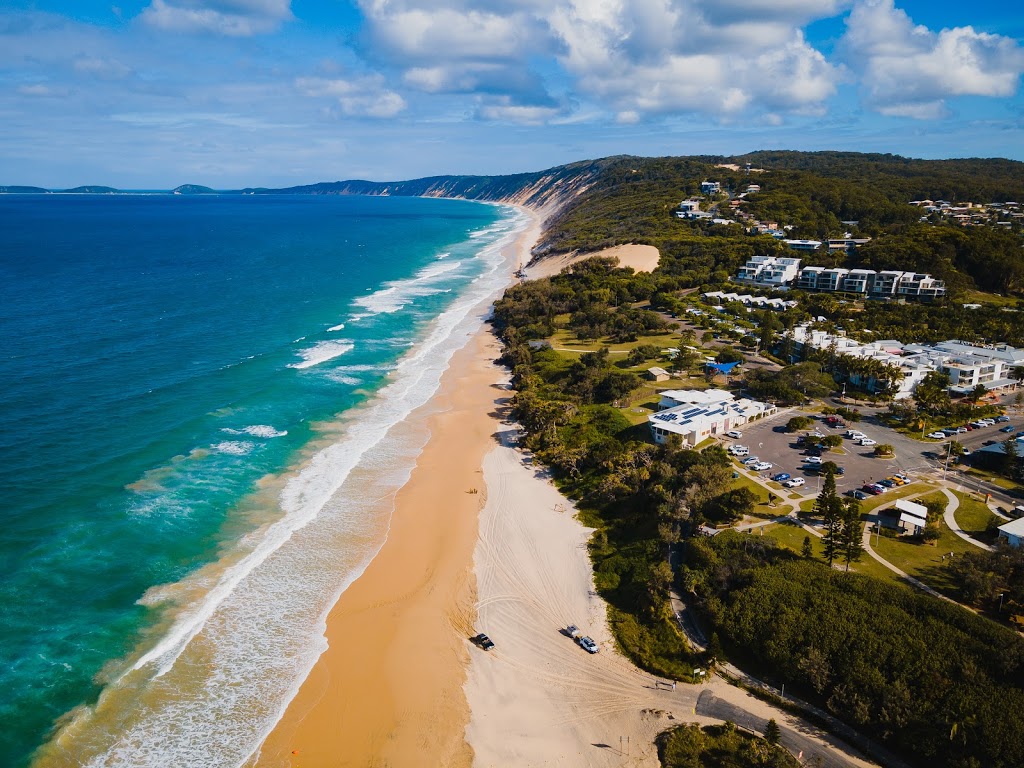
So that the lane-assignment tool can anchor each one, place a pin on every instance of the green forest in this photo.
(722, 746)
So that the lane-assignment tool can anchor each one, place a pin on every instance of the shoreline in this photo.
(388, 688)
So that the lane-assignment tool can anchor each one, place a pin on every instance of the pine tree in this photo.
(772, 732)
(829, 507)
(807, 551)
(852, 532)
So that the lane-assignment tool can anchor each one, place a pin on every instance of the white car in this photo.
(735, 434)
(855, 435)
(867, 441)
(751, 461)
(937, 435)
(814, 460)
(795, 482)
(761, 466)
(587, 644)
(737, 450)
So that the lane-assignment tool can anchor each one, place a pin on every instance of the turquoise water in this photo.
(202, 406)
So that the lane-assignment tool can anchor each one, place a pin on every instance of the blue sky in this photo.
(155, 93)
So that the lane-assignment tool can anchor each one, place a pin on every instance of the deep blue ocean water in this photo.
(160, 357)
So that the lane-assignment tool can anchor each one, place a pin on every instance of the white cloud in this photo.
(99, 66)
(658, 58)
(359, 97)
(235, 18)
(908, 70)
(44, 91)
(630, 57)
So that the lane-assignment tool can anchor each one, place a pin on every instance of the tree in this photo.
(852, 534)
(977, 393)
(772, 732)
(806, 550)
(832, 441)
(714, 651)
(931, 395)
(829, 507)
(797, 423)
(884, 450)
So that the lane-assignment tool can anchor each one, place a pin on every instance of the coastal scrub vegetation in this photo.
(938, 684)
(721, 746)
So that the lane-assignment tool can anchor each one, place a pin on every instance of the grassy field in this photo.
(762, 495)
(902, 492)
(923, 561)
(792, 537)
(973, 517)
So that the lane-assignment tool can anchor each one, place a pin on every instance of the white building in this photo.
(749, 300)
(868, 282)
(803, 245)
(710, 187)
(967, 365)
(697, 414)
(1012, 532)
(769, 271)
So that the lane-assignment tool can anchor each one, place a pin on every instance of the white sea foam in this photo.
(256, 430)
(395, 295)
(338, 327)
(342, 378)
(234, 447)
(322, 352)
(262, 616)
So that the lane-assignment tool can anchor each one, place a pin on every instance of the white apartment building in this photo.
(803, 245)
(769, 271)
(967, 365)
(696, 414)
(868, 282)
(710, 187)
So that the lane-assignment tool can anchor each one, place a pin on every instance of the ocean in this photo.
(204, 417)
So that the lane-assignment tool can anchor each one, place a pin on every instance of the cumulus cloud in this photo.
(633, 58)
(654, 57)
(43, 90)
(357, 97)
(101, 67)
(236, 18)
(909, 70)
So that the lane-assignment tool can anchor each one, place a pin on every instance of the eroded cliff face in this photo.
(550, 190)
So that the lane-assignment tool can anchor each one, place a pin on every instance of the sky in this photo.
(149, 94)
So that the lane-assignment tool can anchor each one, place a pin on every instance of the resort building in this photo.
(967, 365)
(710, 187)
(1012, 532)
(868, 282)
(803, 245)
(696, 414)
(747, 299)
(769, 271)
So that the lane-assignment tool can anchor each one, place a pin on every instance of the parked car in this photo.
(937, 435)
(897, 480)
(781, 477)
(859, 495)
(1002, 419)
(959, 430)
(749, 462)
(812, 452)
(966, 452)
(887, 483)
(572, 631)
(1007, 429)
(483, 641)
(735, 434)
(901, 476)
(762, 466)
(867, 441)
(978, 424)
(879, 487)
(987, 422)
(853, 434)
(794, 482)
(873, 489)
(816, 460)
(587, 644)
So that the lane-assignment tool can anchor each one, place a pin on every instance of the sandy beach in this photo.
(642, 258)
(388, 691)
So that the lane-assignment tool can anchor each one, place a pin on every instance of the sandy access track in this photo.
(642, 258)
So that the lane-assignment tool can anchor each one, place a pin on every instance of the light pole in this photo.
(1001, 596)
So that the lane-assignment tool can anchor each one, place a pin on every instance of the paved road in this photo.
(810, 752)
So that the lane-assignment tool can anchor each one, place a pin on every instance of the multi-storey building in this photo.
(769, 271)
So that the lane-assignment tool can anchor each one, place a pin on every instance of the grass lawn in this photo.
(745, 482)
(565, 340)
(791, 536)
(973, 517)
(922, 561)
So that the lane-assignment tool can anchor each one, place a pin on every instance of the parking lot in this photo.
(768, 440)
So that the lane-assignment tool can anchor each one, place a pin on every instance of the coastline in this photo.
(388, 689)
